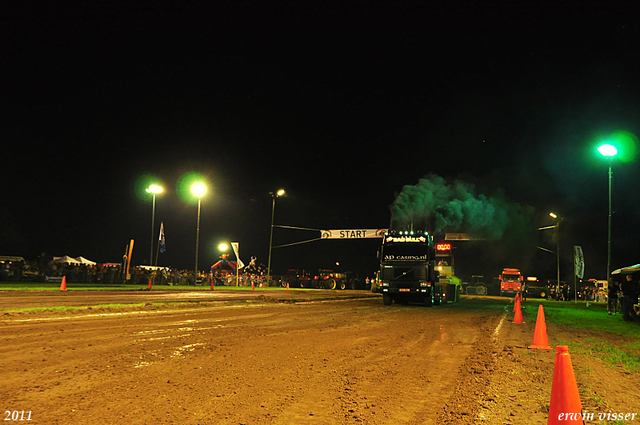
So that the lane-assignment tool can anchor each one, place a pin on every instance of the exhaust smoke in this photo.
(456, 207)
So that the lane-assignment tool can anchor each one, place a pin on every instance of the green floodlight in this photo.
(198, 189)
(155, 189)
(607, 150)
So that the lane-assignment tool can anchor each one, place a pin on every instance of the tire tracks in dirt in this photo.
(470, 395)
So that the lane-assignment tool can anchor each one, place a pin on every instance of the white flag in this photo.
(236, 250)
(578, 261)
(161, 240)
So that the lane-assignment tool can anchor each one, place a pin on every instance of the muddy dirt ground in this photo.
(286, 358)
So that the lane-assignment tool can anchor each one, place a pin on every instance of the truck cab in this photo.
(407, 268)
(510, 282)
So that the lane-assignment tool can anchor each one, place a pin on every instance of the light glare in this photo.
(608, 150)
(198, 189)
(155, 189)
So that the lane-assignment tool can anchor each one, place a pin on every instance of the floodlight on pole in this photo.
(608, 151)
(557, 226)
(274, 195)
(198, 189)
(154, 189)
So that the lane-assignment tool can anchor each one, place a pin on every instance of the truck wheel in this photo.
(342, 285)
(543, 294)
(428, 302)
(386, 299)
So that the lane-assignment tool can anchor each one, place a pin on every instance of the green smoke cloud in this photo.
(453, 207)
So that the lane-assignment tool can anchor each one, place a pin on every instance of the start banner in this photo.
(352, 233)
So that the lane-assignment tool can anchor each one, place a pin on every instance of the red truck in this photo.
(510, 282)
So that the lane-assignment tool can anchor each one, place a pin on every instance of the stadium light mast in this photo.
(557, 226)
(198, 190)
(608, 151)
(154, 189)
(274, 195)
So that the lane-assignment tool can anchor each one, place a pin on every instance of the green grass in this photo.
(579, 316)
(614, 355)
(77, 286)
(595, 317)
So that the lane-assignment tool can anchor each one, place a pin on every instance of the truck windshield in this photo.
(510, 277)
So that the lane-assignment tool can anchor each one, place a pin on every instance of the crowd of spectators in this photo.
(41, 271)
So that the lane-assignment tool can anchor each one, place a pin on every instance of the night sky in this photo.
(342, 105)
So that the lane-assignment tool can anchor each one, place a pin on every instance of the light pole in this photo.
(198, 189)
(154, 189)
(557, 226)
(281, 192)
(608, 151)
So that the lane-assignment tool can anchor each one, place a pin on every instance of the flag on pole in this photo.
(236, 250)
(578, 261)
(161, 238)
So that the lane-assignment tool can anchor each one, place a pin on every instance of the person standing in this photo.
(612, 296)
(629, 290)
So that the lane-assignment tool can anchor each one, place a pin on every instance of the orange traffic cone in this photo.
(516, 303)
(63, 285)
(565, 406)
(149, 287)
(517, 318)
(253, 286)
(287, 286)
(540, 339)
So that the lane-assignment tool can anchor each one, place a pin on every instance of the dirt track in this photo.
(327, 362)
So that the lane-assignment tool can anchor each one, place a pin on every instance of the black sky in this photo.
(342, 105)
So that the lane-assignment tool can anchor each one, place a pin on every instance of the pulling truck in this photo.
(408, 270)
(510, 282)
(448, 280)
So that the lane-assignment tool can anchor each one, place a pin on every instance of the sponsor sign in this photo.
(352, 233)
(405, 239)
(406, 257)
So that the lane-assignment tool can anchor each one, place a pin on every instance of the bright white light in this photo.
(198, 189)
(608, 150)
(154, 188)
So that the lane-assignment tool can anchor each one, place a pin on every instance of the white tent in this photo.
(83, 260)
(65, 259)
